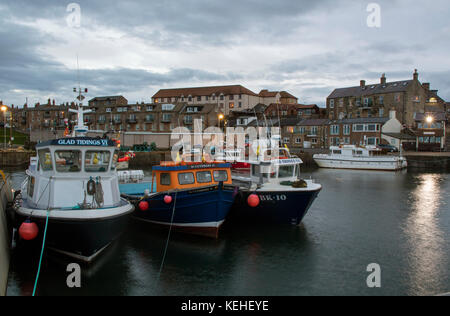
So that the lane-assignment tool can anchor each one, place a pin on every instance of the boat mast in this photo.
(80, 129)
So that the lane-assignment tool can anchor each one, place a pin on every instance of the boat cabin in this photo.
(276, 170)
(58, 177)
(354, 151)
(186, 175)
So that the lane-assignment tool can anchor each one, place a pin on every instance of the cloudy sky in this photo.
(134, 48)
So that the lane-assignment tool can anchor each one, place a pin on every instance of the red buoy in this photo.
(253, 200)
(28, 230)
(167, 199)
(143, 205)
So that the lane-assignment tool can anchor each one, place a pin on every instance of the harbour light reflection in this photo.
(425, 240)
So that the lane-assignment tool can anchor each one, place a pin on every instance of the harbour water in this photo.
(400, 221)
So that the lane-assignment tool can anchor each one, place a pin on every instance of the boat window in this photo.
(97, 161)
(286, 171)
(337, 152)
(68, 160)
(204, 176)
(45, 159)
(220, 175)
(115, 159)
(30, 189)
(165, 179)
(359, 152)
(186, 178)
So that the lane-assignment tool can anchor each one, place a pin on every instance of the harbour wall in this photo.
(5, 198)
(15, 158)
(145, 160)
(425, 160)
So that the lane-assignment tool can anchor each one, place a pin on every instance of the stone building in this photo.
(406, 97)
(225, 98)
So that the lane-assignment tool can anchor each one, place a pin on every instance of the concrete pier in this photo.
(5, 198)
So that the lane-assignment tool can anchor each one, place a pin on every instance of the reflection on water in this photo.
(398, 220)
(424, 234)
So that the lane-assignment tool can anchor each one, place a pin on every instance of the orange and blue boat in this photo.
(191, 197)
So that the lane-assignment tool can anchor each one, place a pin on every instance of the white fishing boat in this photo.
(365, 158)
(70, 198)
(273, 190)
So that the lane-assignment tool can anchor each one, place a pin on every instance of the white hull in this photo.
(369, 163)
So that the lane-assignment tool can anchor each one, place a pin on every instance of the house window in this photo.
(346, 129)
(240, 104)
(231, 97)
(381, 99)
(298, 140)
(189, 99)
(231, 104)
(199, 98)
(286, 140)
(341, 102)
(332, 103)
(221, 97)
(334, 130)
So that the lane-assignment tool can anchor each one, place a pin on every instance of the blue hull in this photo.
(195, 211)
(288, 207)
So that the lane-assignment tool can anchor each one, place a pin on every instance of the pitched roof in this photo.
(203, 91)
(272, 94)
(371, 89)
(361, 120)
(313, 122)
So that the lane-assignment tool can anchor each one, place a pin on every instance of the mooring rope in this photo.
(44, 238)
(42, 253)
(167, 241)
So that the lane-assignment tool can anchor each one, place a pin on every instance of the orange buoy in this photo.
(143, 205)
(167, 199)
(253, 200)
(28, 230)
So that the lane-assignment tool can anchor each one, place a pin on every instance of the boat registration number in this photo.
(276, 197)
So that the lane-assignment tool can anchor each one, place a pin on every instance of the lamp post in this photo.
(4, 108)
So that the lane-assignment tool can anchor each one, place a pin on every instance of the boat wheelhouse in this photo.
(366, 158)
(191, 197)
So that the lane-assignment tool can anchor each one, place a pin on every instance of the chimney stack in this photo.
(383, 79)
(416, 75)
(363, 83)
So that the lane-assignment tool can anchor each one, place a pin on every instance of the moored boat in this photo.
(363, 158)
(70, 198)
(190, 197)
(273, 192)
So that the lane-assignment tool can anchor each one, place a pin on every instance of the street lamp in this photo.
(429, 119)
(220, 117)
(4, 108)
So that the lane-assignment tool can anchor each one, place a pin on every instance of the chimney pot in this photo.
(416, 75)
(383, 79)
(363, 83)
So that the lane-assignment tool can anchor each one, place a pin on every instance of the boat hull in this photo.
(80, 238)
(282, 207)
(361, 164)
(194, 211)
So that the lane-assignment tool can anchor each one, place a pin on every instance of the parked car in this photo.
(388, 148)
